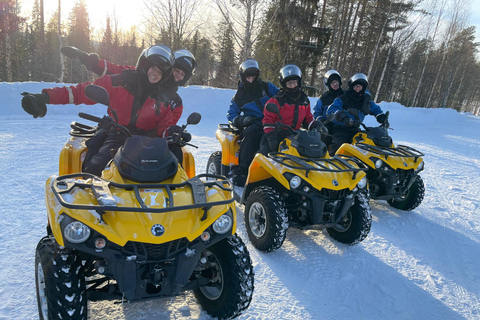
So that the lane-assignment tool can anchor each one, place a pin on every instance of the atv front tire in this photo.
(230, 290)
(214, 163)
(60, 284)
(412, 198)
(266, 219)
(356, 224)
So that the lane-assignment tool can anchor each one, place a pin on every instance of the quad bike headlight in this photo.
(362, 183)
(223, 224)
(295, 182)
(378, 164)
(420, 167)
(76, 232)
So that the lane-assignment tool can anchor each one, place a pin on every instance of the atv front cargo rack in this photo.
(228, 128)
(101, 190)
(399, 151)
(340, 163)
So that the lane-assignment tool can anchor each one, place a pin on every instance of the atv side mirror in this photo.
(353, 112)
(273, 108)
(97, 94)
(194, 118)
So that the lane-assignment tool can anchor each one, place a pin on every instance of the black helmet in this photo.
(358, 78)
(158, 55)
(185, 61)
(331, 75)
(249, 68)
(290, 72)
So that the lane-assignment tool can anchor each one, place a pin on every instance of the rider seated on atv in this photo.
(294, 107)
(245, 114)
(183, 69)
(346, 125)
(133, 103)
(333, 82)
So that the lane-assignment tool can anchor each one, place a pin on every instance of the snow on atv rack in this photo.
(340, 163)
(399, 151)
(101, 190)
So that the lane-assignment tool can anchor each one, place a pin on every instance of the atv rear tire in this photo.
(266, 219)
(412, 198)
(356, 223)
(230, 291)
(214, 163)
(60, 284)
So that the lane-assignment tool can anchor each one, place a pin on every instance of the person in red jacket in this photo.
(183, 69)
(294, 107)
(133, 102)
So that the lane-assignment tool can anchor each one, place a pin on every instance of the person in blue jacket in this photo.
(345, 125)
(333, 83)
(246, 113)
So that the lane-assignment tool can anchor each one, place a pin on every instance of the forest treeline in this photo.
(419, 53)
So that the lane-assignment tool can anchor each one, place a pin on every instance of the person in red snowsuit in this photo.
(183, 69)
(133, 101)
(294, 107)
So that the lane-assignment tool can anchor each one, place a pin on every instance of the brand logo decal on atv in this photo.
(148, 161)
(405, 164)
(158, 230)
(335, 183)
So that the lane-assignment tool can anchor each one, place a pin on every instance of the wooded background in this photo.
(419, 53)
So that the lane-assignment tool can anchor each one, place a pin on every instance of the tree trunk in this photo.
(62, 63)
(357, 38)
(378, 41)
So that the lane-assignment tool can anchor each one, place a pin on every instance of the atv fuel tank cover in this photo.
(158, 230)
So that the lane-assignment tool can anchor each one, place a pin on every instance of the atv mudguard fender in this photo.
(229, 146)
(188, 163)
(120, 227)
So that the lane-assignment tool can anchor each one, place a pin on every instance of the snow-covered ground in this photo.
(422, 264)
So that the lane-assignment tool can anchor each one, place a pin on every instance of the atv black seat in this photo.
(340, 163)
(145, 159)
(226, 127)
(82, 130)
(399, 151)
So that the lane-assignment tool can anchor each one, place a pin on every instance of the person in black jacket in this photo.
(246, 113)
(333, 83)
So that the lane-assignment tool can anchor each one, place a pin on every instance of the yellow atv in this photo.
(144, 229)
(393, 171)
(302, 187)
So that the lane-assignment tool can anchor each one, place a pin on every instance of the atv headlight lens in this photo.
(76, 232)
(378, 164)
(420, 167)
(223, 224)
(362, 183)
(295, 182)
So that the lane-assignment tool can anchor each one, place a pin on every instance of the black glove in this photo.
(173, 129)
(186, 136)
(342, 116)
(238, 122)
(89, 60)
(35, 103)
(318, 125)
(272, 141)
(382, 118)
(248, 120)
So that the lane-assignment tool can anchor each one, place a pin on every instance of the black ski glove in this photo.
(89, 60)
(272, 141)
(173, 129)
(35, 103)
(342, 116)
(238, 122)
(382, 118)
(248, 120)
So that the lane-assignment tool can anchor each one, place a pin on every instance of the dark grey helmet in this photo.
(290, 72)
(331, 75)
(248, 68)
(185, 61)
(358, 78)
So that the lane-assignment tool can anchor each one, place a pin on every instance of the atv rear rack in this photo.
(399, 151)
(309, 164)
(101, 190)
